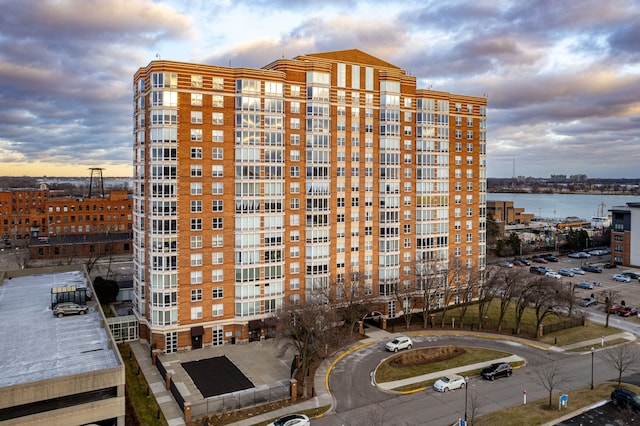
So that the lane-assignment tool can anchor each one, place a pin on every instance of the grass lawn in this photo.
(538, 412)
(143, 403)
(387, 373)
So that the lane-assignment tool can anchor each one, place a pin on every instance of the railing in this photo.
(280, 391)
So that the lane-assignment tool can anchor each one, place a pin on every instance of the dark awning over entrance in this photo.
(255, 324)
(197, 331)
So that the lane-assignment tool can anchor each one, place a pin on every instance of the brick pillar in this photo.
(187, 412)
(361, 328)
(384, 323)
(154, 355)
(167, 381)
(294, 389)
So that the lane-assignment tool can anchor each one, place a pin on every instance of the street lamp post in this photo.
(592, 352)
(466, 387)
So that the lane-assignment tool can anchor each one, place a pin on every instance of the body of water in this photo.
(560, 206)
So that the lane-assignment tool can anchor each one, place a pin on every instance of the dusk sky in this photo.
(562, 77)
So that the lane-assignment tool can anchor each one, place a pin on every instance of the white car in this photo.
(579, 255)
(400, 342)
(577, 271)
(291, 420)
(566, 272)
(621, 278)
(553, 274)
(450, 382)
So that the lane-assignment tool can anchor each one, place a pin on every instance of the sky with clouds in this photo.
(562, 77)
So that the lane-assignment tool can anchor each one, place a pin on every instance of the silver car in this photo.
(69, 308)
(400, 342)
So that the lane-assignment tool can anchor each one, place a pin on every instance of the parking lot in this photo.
(627, 292)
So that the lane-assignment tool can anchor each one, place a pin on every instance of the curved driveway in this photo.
(358, 401)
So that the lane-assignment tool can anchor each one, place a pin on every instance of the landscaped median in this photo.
(419, 368)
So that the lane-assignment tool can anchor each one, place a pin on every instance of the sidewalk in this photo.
(597, 343)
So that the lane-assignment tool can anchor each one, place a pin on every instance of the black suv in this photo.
(500, 369)
(625, 398)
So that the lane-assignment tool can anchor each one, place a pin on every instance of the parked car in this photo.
(525, 261)
(585, 285)
(68, 308)
(505, 264)
(565, 272)
(494, 371)
(553, 274)
(625, 398)
(632, 275)
(588, 301)
(537, 270)
(609, 266)
(399, 343)
(517, 263)
(614, 308)
(579, 255)
(577, 271)
(449, 382)
(628, 311)
(596, 252)
(591, 268)
(622, 278)
(551, 258)
(539, 260)
(291, 420)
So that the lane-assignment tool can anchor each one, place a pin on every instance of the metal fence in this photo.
(161, 369)
(280, 391)
(176, 394)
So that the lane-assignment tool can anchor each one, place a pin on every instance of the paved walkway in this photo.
(323, 397)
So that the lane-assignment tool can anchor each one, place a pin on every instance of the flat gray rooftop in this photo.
(35, 344)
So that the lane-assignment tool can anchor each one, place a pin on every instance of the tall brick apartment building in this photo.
(255, 188)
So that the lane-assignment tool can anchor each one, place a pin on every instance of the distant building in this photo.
(578, 178)
(36, 213)
(625, 243)
(506, 212)
(56, 371)
(558, 179)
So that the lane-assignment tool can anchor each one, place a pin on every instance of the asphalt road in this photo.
(358, 402)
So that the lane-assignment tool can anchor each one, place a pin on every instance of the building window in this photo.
(217, 205)
(217, 101)
(196, 277)
(196, 99)
(196, 224)
(196, 188)
(217, 153)
(217, 135)
(196, 313)
(196, 170)
(217, 118)
(217, 292)
(216, 223)
(196, 295)
(217, 310)
(196, 206)
(216, 171)
(196, 153)
(196, 242)
(196, 117)
(217, 258)
(217, 275)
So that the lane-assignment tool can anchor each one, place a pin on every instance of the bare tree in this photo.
(312, 330)
(609, 296)
(549, 376)
(508, 282)
(620, 357)
(428, 273)
(475, 403)
(487, 292)
(547, 296)
(525, 289)
(405, 297)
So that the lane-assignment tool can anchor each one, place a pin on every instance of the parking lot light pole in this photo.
(592, 352)
(466, 389)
